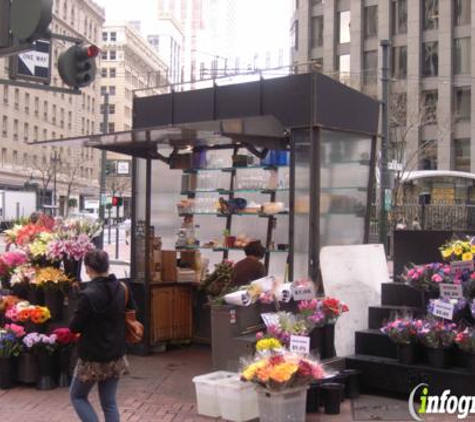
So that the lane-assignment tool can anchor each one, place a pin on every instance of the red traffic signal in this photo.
(116, 201)
(77, 65)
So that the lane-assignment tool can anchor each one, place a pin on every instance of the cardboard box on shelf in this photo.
(172, 260)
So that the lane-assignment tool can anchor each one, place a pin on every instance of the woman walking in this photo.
(100, 319)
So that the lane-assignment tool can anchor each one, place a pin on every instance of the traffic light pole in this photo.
(102, 180)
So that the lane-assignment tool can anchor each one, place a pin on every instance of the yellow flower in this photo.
(467, 256)
(457, 249)
(249, 373)
(268, 344)
(446, 253)
(283, 372)
(472, 248)
(50, 275)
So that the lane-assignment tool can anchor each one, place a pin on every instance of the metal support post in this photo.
(102, 177)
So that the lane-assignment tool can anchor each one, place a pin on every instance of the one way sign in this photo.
(33, 65)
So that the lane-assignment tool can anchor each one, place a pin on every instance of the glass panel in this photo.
(344, 27)
(399, 62)
(139, 199)
(317, 31)
(462, 12)
(462, 56)
(427, 155)
(429, 107)
(344, 68)
(430, 60)
(430, 12)
(462, 154)
(371, 21)
(344, 178)
(370, 67)
(462, 104)
(302, 203)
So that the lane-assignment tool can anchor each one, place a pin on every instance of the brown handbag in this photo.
(133, 328)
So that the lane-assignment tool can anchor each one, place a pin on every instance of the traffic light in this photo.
(110, 167)
(77, 65)
(116, 201)
(30, 19)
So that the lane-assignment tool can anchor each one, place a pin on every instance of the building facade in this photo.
(30, 115)
(128, 63)
(432, 53)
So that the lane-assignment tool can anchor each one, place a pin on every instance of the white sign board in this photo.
(300, 345)
(304, 292)
(34, 64)
(461, 265)
(452, 291)
(353, 274)
(123, 168)
(394, 165)
(443, 310)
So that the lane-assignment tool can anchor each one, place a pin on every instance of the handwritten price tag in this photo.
(461, 265)
(452, 291)
(305, 292)
(443, 310)
(300, 345)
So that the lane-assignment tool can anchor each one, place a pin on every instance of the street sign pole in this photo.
(102, 179)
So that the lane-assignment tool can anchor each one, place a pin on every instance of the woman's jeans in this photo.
(107, 392)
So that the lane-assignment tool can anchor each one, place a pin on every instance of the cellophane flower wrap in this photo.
(287, 324)
(10, 343)
(24, 312)
(401, 330)
(457, 250)
(51, 277)
(435, 333)
(282, 371)
(65, 338)
(465, 340)
(35, 342)
(427, 277)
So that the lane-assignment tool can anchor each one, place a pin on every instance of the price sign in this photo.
(452, 291)
(304, 292)
(461, 265)
(443, 310)
(300, 345)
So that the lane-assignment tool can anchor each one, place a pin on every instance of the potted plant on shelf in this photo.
(403, 332)
(465, 340)
(43, 346)
(437, 335)
(10, 347)
(66, 340)
(281, 383)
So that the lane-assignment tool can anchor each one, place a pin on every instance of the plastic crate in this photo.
(282, 406)
(207, 396)
(238, 400)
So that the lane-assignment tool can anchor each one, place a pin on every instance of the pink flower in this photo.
(18, 330)
(436, 278)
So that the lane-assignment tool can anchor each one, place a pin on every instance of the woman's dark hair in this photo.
(97, 260)
(255, 249)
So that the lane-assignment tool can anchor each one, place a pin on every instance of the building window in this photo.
(45, 134)
(344, 68)
(111, 127)
(399, 62)
(27, 103)
(111, 108)
(462, 104)
(113, 36)
(17, 98)
(45, 110)
(462, 56)
(37, 106)
(15, 130)
(112, 55)
(427, 154)
(112, 90)
(344, 27)
(430, 10)
(5, 126)
(399, 17)
(104, 36)
(371, 22)
(5, 94)
(462, 154)
(462, 12)
(370, 63)
(294, 36)
(104, 72)
(26, 131)
(112, 72)
(104, 55)
(430, 59)
(35, 133)
(429, 107)
(317, 31)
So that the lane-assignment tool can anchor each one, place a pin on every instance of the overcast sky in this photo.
(261, 24)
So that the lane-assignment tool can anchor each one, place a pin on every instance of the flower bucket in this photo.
(352, 383)
(7, 372)
(437, 358)
(405, 353)
(45, 371)
(64, 377)
(31, 327)
(471, 363)
(282, 406)
(328, 346)
(27, 368)
(313, 398)
(332, 396)
(72, 268)
(54, 301)
(34, 295)
(317, 337)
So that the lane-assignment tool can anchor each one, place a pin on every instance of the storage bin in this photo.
(282, 406)
(237, 400)
(207, 393)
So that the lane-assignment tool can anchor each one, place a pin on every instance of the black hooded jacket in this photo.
(100, 319)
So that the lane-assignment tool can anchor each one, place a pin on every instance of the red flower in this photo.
(305, 368)
(276, 360)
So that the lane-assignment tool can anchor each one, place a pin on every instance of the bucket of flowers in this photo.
(66, 340)
(437, 335)
(54, 282)
(281, 383)
(33, 317)
(403, 332)
(44, 347)
(465, 340)
(10, 347)
(22, 283)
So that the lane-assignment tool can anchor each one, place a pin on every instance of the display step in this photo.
(373, 342)
(387, 376)
(400, 294)
(378, 315)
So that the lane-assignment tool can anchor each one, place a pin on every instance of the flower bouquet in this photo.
(457, 250)
(465, 340)
(218, 282)
(403, 332)
(43, 346)
(286, 325)
(437, 336)
(10, 346)
(38, 249)
(6, 302)
(320, 312)
(51, 277)
(74, 248)
(268, 345)
(25, 313)
(38, 343)
(8, 262)
(427, 277)
(27, 234)
(66, 339)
